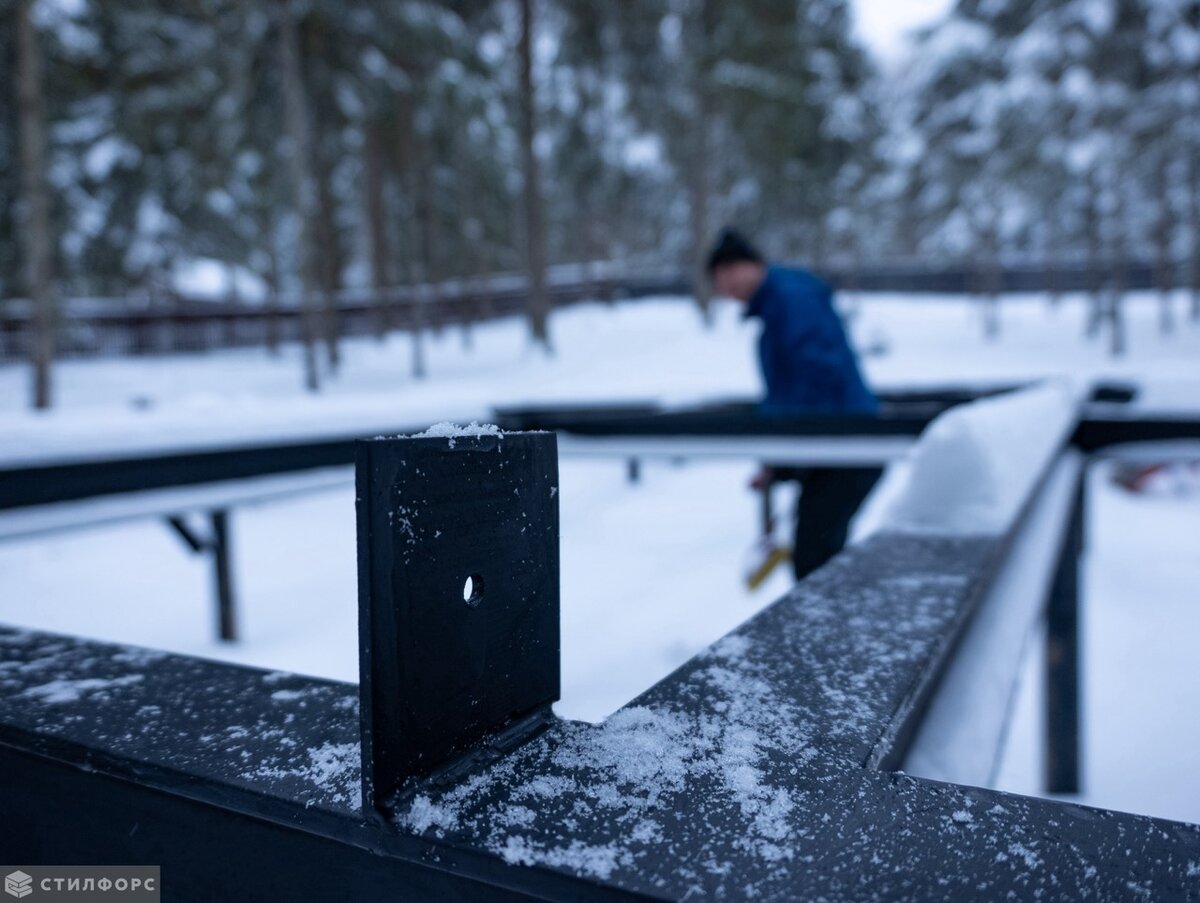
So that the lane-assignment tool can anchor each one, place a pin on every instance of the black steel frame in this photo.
(764, 767)
(28, 485)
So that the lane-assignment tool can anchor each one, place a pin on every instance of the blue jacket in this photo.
(807, 362)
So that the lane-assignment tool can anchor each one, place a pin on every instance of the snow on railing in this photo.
(976, 464)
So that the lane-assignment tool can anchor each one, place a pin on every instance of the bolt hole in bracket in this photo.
(473, 590)
(443, 682)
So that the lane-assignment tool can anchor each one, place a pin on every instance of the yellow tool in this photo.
(768, 552)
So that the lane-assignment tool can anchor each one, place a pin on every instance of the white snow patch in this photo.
(332, 767)
(599, 861)
(1030, 858)
(639, 746)
(976, 464)
(424, 814)
(633, 764)
(135, 655)
(731, 648)
(290, 695)
(58, 691)
(452, 431)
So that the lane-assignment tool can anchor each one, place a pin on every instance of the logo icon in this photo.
(18, 884)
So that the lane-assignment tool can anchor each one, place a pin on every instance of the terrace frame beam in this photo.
(762, 766)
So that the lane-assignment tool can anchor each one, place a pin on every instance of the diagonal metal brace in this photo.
(190, 537)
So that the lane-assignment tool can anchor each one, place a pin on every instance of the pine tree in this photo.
(9, 152)
(303, 187)
(535, 229)
(35, 227)
(758, 112)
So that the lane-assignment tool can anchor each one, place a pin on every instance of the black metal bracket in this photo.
(217, 545)
(458, 576)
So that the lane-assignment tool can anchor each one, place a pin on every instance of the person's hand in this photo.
(764, 478)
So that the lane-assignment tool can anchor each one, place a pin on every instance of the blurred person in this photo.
(808, 368)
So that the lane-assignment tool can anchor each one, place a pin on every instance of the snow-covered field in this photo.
(633, 351)
(651, 573)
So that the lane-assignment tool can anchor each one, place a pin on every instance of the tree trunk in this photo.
(418, 337)
(463, 251)
(535, 231)
(1195, 261)
(852, 279)
(300, 163)
(266, 231)
(1052, 253)
(699, 165)
(820, 241)
(427, 223)
(1113, 313)
(36, 242)
(329, 257)
(374, 183)
(1092, 222)
(409, 178)
(328, 248)
(1164, 278)
(698, 217)
(990, 280)
(1120, 273)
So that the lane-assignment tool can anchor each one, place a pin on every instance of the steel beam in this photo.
(1062, 665)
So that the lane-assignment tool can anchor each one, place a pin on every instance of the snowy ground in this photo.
(633, 351)
(651, 572)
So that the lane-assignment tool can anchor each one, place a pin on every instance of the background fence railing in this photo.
(178, 323)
